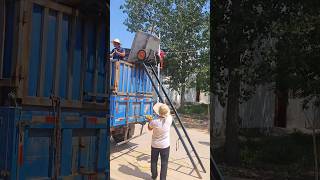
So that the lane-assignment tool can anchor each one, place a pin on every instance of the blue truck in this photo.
(61, 99)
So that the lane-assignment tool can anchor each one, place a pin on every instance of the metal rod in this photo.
(183, 128)
(174, 125)
(215, 170)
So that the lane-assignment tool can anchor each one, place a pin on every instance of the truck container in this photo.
(130, 98)
(54, 90)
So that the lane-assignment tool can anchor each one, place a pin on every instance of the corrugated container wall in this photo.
(131, 97)
(52, 49)
(53, 90)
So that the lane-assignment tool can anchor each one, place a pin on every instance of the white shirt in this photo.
(161, 132)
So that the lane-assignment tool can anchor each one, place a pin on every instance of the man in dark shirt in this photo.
(117, 52)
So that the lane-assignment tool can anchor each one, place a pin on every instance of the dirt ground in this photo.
(132, 160)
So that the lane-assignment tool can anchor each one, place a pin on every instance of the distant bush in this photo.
(194, 109)
(291, 153)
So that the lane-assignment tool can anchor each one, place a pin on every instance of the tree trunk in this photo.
(212, 117)
(182, 101)
(197, 95)
(232, 150)
(281, 108)
(314, 140)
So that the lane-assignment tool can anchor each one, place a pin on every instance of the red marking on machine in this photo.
(93, 120)
(50, 119)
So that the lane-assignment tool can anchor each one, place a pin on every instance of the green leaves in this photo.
(184, 31)
(278, 41)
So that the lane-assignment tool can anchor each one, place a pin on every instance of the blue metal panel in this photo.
(89, 74)
(141, 80)
(95, 119)
(138, 81)
(147, 106)
(125, 78)
(119, 110)
(102, 161)
(136, 108)
(101, 64)
(113, 75)
(8, 141)
(88, 153)
(139, 112)
(66, 150)
(8, 39)
(135, 80)
(33, 158)
(76, 69)
(131, 83)
(112, 105)
(64, 57)
(144, 80)
(121, 72)
(71, 120)
(50, 58)
(37, 15)
(128, 88)
(131, 117)
(37, 153)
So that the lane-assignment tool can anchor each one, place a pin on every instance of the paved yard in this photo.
(132, 160)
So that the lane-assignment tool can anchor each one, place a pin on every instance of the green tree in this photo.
(240, 62)
(282, 34)
(183, 26)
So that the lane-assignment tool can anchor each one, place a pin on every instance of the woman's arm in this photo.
(149, 127)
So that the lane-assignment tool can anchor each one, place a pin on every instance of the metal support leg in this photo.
(141, 130)
(216, 174)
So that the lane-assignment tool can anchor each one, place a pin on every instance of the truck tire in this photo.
(131, 130)
(120, 137)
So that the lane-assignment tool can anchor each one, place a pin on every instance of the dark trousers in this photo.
(164, 153)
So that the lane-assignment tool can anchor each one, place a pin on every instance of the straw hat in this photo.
(116, 41)
(161, 109)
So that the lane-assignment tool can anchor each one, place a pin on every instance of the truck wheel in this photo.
(118, 137)
(131, 130)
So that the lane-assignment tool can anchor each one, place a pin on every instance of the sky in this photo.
(117, 28)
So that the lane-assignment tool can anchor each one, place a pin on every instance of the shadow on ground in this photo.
(175, 166)
(204, 143)
(135, 171)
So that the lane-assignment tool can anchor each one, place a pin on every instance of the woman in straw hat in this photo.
(160, 139)
(117, 52)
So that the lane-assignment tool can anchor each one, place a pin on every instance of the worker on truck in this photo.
(160, 144)
(117, 52)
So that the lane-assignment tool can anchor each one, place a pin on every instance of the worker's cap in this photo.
(161, 109)
(116, 41)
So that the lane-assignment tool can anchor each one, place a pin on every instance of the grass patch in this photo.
(194, 109)
(290, 154)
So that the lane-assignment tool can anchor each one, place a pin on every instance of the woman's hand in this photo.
(149, 118)
(149, 127)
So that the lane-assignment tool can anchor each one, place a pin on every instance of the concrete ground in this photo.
(132, 160)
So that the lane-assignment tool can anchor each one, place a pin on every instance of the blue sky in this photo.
(117, 28)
